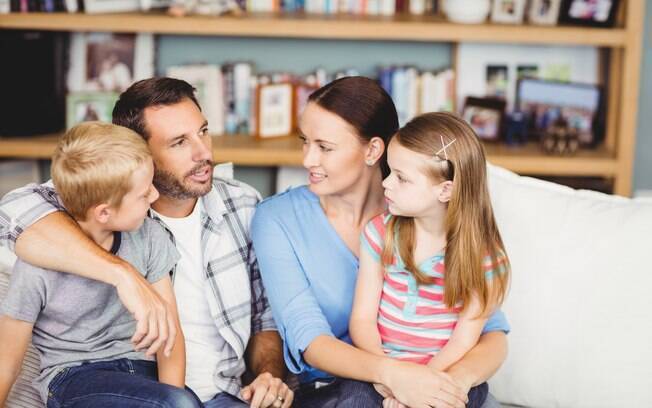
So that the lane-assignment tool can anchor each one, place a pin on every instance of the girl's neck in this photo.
(358, 205)
(430, 234)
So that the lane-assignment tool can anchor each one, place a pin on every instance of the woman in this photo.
(307, 244)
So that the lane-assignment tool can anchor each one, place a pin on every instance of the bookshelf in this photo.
(621, 48)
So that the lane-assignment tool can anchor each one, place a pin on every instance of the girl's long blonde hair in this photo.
(471, 230)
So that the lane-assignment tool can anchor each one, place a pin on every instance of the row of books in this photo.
(355, 7)
(230, 95)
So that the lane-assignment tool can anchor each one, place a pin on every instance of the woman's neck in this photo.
(365, 200)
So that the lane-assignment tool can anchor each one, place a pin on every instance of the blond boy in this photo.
(103, 174)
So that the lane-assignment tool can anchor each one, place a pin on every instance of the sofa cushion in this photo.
(22, 395)
(579, 301)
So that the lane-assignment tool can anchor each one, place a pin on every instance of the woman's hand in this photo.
(418, 386)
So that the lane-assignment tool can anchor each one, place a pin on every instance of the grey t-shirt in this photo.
(78, 319)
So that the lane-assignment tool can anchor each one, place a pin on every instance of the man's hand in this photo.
(267, 391)
(155, 322)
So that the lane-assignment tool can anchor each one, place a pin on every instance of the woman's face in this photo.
(332, 151)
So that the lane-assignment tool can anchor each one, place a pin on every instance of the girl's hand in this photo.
(384, 391)
(418, 386)
(392, 403)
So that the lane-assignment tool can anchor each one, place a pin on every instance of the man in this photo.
(222, 306)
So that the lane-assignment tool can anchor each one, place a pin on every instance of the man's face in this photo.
(181, 148)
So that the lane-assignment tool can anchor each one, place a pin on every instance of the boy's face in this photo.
(136, 202)
(182, 150)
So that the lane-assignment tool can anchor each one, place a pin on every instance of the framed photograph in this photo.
(109, 62)
(301, 93)
(508, 11)
(544, 12)
(209, 91)
(275, 110)
(89, 106)
(485, 115)
(497, 81)
(596, 13)
(580, 105)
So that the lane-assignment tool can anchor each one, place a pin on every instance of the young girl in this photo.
(433, 268)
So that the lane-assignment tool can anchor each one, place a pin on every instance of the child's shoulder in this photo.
(379, 222)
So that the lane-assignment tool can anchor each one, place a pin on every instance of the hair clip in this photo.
(445, 146)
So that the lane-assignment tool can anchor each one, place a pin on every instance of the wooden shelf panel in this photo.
(248, 151)
(342, 27)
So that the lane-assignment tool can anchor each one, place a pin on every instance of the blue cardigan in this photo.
(309, 275)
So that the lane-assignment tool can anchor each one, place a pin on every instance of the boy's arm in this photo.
(465, 335)
(34, 224)
(171, 369)
(363, 326)
(14, 340)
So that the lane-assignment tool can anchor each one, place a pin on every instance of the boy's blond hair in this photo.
(93, 164)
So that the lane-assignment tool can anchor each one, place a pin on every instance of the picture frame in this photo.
(107, 62)
(275, 110)
(508, 11)
(581, 105)
(207, 79)
(593, 13)
(544, 12)
(485, 116)
(89, 106)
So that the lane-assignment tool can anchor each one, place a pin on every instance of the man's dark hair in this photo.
(129, 111)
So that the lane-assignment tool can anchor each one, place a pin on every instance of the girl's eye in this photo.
(401, 179)
(303, 140)
(179, 143)
(324, 148)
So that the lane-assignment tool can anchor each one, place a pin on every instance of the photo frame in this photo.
(485, 115)
(508, 11)
(89, 106)
(544, 12)
(580, 105)
(275, 110)
(301, 93)
(209, 91)
(108, 62)
(594, 13)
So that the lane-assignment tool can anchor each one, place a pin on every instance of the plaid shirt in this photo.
(234, 289)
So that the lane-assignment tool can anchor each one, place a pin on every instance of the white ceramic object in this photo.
(467, 11)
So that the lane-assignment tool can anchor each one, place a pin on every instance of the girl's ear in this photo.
(446, 191)
(375, 150)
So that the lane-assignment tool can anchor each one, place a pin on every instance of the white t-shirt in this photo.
(203, 341)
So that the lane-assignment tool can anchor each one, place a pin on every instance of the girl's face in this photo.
(409, 190)
(332, 151)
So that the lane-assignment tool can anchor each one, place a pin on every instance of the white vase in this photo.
(467, 11)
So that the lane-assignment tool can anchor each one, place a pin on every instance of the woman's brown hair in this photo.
(472, 234)
(364, 105)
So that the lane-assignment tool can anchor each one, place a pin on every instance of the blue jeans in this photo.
(224, 400)
(340, 393)
(117, 383)
(355, 394)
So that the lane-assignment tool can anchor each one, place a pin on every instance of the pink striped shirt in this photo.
(413, 321)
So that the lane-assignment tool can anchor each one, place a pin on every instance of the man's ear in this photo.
(375, 150)
(101, 213)
(446, 191)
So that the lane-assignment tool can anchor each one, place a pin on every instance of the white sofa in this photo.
(579, 303)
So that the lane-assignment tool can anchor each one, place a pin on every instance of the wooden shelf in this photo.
(249, 151)
(342, 27)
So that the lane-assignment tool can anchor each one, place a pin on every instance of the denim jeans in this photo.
(224, 400)
(117, 383)
(355, 394)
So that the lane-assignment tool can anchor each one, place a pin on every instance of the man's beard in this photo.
(168, 185)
